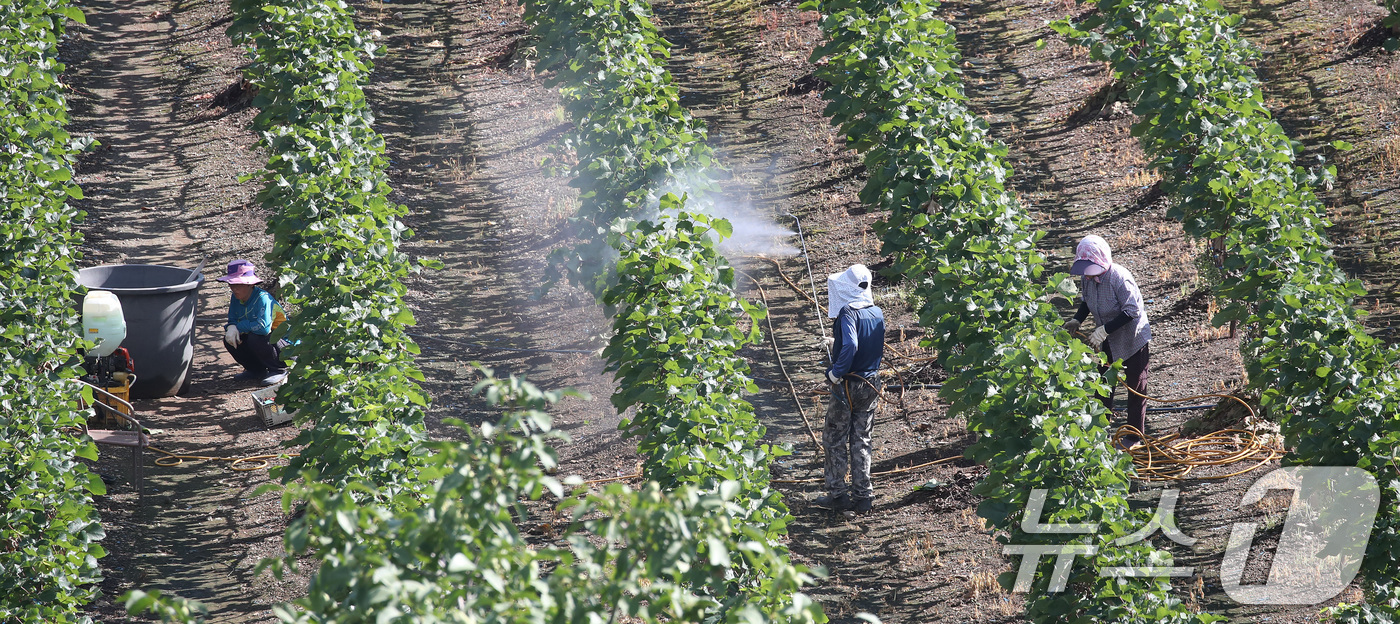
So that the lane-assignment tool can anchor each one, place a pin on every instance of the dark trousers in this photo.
(257, 355)
(1135, 369)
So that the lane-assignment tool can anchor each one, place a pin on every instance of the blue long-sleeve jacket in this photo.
(255, 316)
(860, 341)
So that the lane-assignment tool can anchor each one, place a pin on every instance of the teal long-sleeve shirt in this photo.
(253, 317)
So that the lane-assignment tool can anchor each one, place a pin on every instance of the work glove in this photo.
(1096, 339)
(829, 341)
(1072, 326)
(830, 376)
(231, 336)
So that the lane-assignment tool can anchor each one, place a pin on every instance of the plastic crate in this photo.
(265, 402)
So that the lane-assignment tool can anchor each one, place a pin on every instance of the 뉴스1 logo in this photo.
(1324, 538)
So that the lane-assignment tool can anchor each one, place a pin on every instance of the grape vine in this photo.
(646, 556)
(650, 257)
(335, 244)
(430, 531)
(969, 248)
(1232, 173)
(49, 531)
(651, 556)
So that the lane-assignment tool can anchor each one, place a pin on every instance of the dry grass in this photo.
(1389, 79)
(982, 587)
(1195, 592)
(983, 584)
(969, 519)
(1388, 154)
(419, 31)
(459, 170)
(918, 553)
(1003, 608)
(1353, 29)
(1274, 502)
(840, 606)
(767, 20)
(1138, 179)
(1352, 595)
(1178, 262)
(1129, 239)
(557, 210)
(1205, 332)
(1377, 306)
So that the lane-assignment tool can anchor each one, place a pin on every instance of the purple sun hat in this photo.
(241, 272)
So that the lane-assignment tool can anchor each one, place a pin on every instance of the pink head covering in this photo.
(241, 272)
(1092, 257)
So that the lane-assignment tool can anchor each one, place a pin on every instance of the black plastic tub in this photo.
(158, 303)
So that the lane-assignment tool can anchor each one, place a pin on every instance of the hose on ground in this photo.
(1172, 457)
(170, 460)
(773, 338)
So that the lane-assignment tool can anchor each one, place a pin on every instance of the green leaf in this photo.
(722, 227)
(94, 485)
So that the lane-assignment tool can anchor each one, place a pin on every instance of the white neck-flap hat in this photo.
(848, 288)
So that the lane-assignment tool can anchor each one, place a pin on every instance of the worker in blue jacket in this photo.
(252, 315)
(857, 346)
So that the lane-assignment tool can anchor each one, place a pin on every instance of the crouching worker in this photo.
(1111, 293)
(857, 347)
(252, 315)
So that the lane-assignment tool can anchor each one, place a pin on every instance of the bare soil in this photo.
(163, 189)
(467, 124)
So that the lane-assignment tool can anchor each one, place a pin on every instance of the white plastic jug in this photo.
(103, 322)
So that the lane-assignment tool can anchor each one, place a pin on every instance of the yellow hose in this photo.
(171, 459)
(1171, 457)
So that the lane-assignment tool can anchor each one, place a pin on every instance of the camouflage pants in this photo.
(849, 421)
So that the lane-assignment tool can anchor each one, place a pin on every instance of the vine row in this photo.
(49, 532)
(452, 550)
(640, 163)
(335, 244)
(615, 555)
(632, 140)
(1232, 173)
(969, 248)
(651, 556)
